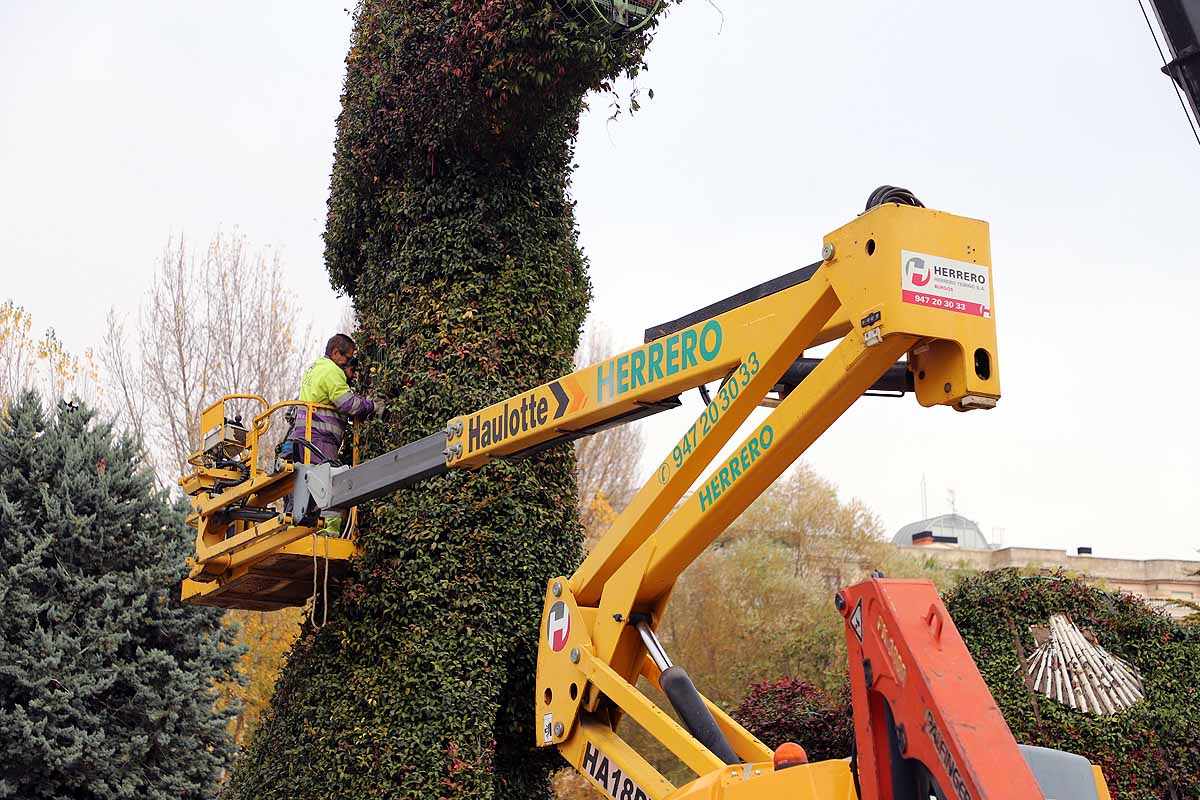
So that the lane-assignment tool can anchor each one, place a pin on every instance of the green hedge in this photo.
(449, 224)
(1149, 752)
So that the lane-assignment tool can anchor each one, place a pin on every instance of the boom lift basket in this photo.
(251, 551)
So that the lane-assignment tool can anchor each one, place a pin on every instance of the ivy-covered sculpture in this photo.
(450, 226)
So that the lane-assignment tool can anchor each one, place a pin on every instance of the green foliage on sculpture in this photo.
(476, 99)
(791, 710)
(450, 225)
(107, 682)
(1147, 752)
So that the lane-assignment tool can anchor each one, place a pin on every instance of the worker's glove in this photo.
(378, 410)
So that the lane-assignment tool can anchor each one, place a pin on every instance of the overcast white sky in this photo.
(122, 123)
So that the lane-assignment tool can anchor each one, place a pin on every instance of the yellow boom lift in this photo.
(898, 281)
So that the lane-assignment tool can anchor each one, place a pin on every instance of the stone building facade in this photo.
(957, 541)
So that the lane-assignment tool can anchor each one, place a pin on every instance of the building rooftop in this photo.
(1170, 584)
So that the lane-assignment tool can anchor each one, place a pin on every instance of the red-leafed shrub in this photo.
(791, 710)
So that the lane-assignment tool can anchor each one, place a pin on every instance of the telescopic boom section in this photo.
(772, 323)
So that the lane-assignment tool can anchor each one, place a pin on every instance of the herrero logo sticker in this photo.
(558, 626)
(959, 286)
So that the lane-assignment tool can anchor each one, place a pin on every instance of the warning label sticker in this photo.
(936, 282)
(856, 624)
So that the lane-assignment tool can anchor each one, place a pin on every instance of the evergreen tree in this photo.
(106, 680)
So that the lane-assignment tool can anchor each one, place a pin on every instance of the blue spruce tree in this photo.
(106, 681)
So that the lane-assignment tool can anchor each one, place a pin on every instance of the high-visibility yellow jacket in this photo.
(325, 383)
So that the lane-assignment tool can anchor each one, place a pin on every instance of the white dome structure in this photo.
(947, 530)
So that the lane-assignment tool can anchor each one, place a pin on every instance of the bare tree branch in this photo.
(216, 323)
(18, 351)
(122, 378)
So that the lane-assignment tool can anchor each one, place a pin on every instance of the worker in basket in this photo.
(327, 382)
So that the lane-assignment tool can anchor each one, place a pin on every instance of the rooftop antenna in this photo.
(950, 493)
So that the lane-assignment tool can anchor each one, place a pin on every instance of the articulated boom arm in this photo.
(897, 280)
(921, 709)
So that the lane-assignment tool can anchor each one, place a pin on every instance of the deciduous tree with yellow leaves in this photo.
(42, 363)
